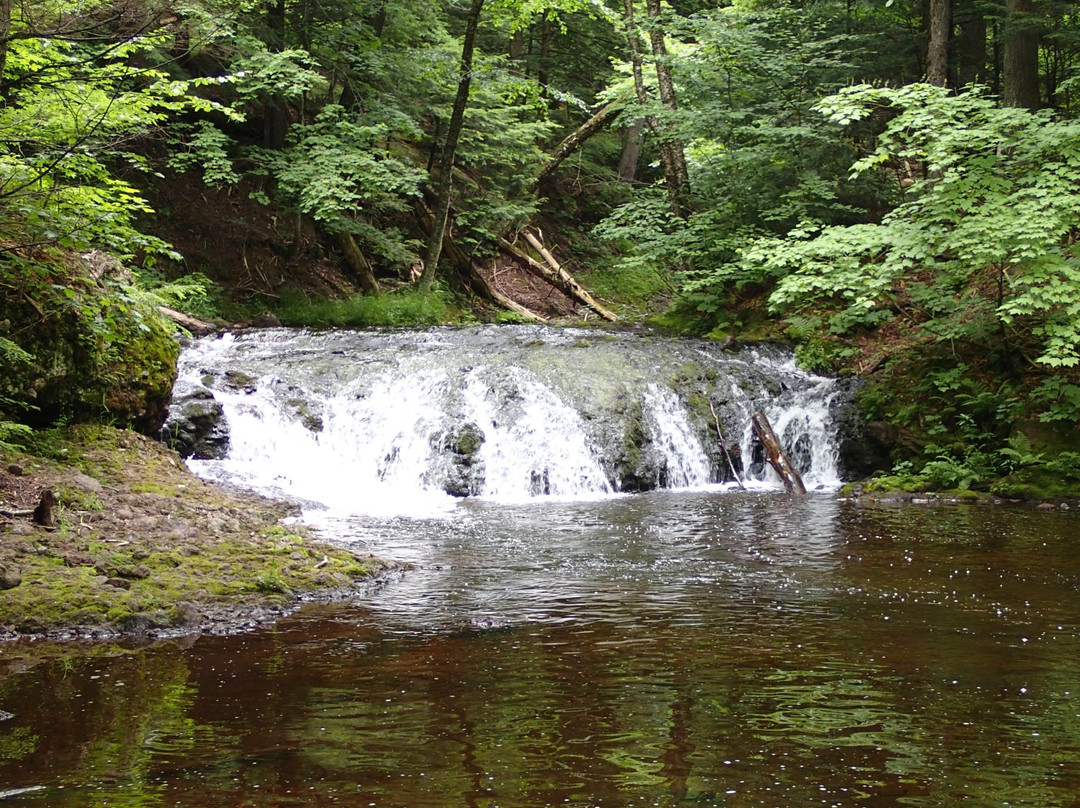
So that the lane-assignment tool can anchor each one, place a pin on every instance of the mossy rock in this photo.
(98, 353)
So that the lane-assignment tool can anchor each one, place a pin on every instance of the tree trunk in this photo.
(554, 274)
(631, 153)
(470, 278)
(598, 121)
(775, 453)
(446, 162)
(667, 159)
(1021, 56)
(969, 48)
(5, 32)
(668, 99)
(358, 265)
(543, 70)
(937, 49)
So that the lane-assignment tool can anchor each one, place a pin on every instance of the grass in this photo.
(405, 307)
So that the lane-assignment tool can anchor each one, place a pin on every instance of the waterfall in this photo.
(406, 422)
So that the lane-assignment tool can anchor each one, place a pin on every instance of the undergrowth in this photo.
(405, 307)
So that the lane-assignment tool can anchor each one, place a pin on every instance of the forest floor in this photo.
(139, 545)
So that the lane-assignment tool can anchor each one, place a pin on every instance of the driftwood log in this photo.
(775, 454)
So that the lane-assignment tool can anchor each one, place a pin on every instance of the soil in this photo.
(252, 250)
(140, 546)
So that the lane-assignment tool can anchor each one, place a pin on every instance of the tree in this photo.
(1021, 55)
(937, 51)
(982, 251)
(449, 149)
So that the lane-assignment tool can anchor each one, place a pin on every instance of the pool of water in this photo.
(715, 648)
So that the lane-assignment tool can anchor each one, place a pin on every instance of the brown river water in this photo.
(712, 648)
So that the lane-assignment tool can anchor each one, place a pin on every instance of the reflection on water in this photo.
(665, 650)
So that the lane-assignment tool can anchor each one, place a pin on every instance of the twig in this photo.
(723, 446)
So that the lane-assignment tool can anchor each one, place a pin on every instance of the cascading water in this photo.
(397, 422)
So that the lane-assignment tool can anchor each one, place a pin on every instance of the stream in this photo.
(558, 641)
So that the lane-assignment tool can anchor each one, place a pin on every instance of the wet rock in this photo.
(864, 447)
(119, 583)
(10, 578)
(239, 381)
(196, 426)
(465, 470)
(265, 319)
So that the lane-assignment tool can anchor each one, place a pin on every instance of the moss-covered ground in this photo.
(139, 544)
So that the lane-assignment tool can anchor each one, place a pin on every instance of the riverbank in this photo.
(140, 546)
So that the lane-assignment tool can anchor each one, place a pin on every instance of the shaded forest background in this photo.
(890, 185)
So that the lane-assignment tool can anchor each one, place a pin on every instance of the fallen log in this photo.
(196, 326)
(596, 122)
(468, 273)
(775, 454)
(550, 270)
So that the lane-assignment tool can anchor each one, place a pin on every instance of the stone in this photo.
(196, 426)
(85, 483)
(10, 578)
(15, 470)
(119, 583)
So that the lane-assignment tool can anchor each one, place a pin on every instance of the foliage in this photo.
(73, 105)
(401, 308)
(983, 244)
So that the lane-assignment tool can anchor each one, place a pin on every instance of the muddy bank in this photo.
(138, 545)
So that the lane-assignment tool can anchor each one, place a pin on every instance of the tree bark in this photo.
(1021, 56)
(775, 453)
(5, 32)
(470, 277)
(667, 153)
(554, 274)
(543, 70)
(194, 325)
(358, 265)
(631, 153)
(937, 49)
(449, 151)
(596, 122)
(668, 99)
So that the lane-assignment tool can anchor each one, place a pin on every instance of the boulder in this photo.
(196, 426)
(95, 352)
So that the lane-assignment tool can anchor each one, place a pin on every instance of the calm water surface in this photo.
(694, 649)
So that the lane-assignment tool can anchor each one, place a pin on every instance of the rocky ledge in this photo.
(136, 544)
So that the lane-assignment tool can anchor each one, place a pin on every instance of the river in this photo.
(700, 647)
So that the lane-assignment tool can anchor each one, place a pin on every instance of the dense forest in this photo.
(892, 186)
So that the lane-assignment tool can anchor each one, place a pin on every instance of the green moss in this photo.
(248, 561)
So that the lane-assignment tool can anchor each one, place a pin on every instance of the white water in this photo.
(391, 406)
